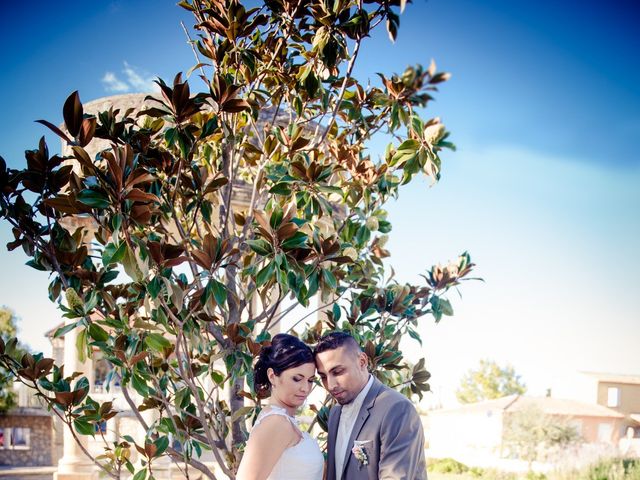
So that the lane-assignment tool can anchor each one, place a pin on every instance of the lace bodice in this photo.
(303, 461)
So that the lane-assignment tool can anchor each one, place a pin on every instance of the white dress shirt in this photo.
(348, 416)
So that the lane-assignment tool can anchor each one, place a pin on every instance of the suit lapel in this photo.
(333, 432)
(363, 415)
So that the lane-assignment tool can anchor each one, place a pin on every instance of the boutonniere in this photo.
(360, 452)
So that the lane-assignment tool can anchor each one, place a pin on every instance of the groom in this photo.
(374, 431)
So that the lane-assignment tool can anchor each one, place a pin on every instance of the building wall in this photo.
(629, 396)
(38, 452)
(599, 429)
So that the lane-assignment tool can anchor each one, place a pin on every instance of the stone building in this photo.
(26, 437)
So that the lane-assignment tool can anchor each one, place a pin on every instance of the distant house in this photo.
(618, 392)
(475, 432)
(622, 394)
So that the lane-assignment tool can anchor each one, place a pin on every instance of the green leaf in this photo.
(130, 264)
(181, 398)
(260, 246)
(36, 265)
(445, 307)
(83, 427)
(217, 377)
(93, 198)
(384, 226)
(313, 284)
(336, 312)
(280, 189)
(330, 189)
(141, 475)
(402, 157)
(81, 345)
(116, 221)
(276, 218)
(415, 335)
(139, 385)
(65, 329)
(108, 276)
(329, 279)
(98, 333)
(219, 291)
(265, 274)
(156, 342)
(241, 412)
(91, 302)
(299, 239)
(161, 443)
(154, 287)
(112, 254)
(206, 210)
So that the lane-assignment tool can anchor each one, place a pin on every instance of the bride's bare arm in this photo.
(266, 445)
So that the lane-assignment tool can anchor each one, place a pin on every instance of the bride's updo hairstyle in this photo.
(285, 352)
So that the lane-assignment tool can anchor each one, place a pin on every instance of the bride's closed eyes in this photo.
(312, 380)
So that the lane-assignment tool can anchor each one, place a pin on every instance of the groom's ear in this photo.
(363, 360)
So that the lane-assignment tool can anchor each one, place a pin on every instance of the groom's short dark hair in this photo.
(337, 339)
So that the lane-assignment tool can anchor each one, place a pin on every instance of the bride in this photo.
(277, 449)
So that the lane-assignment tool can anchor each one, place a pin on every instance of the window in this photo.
(15, 438)
(577, 425)
(101, 427)
(613, 397)
(605, 430)
(20, 437)
(103, 375)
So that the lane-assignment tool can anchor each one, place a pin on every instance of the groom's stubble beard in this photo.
(344, 401)
(351, 395)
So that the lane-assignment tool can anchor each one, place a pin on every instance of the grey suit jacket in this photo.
(392, 427)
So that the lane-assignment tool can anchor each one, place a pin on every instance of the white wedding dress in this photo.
(303, 461)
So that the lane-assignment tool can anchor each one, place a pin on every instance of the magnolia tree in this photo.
(176, 251)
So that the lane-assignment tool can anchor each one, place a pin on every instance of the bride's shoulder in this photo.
(274, 417)
(272, 426)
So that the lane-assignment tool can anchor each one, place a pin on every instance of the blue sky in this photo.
(544, 106)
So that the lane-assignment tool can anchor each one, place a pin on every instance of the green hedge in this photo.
(614, 469)
(446, 465)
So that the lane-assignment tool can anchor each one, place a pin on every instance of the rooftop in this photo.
(614, 377)
(548, 405)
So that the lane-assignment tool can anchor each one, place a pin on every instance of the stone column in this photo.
(74, 464)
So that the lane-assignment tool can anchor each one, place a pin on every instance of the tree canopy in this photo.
(176, 250)
(532, 435)
(489, 381)
(8, 330)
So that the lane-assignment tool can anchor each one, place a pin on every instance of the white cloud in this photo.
(114, 84)
(139, 80)
(136, 80)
